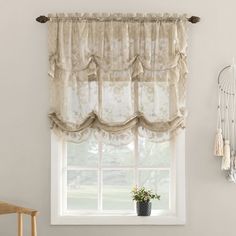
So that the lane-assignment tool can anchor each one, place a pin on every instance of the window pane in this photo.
(118, 155)
(82, 190)
(83, 154)
(159, 182)
(154, 154)
(117, 185)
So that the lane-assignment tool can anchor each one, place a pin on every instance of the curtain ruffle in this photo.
(116, 139)
(138, 120)
(131, 17)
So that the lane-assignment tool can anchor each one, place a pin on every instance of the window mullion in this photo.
(172, 175)
(136, 108)
(100, 176)
(100, 145)
(64, 176)
(136, 157)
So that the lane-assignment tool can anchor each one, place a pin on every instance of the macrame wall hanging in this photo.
(225, 141)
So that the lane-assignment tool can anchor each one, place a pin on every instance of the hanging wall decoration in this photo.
(225, 142)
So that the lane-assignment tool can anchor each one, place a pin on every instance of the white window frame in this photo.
(177, 216)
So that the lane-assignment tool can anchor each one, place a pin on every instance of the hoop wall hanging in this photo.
(225, 140)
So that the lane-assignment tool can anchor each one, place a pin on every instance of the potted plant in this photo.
(143, 198)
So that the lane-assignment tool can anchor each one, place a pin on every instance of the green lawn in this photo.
(114, 198)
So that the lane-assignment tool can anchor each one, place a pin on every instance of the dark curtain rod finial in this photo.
(44, 19)
(194, 19)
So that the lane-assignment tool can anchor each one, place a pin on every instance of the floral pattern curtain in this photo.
(114, 75)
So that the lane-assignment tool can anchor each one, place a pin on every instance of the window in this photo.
(117, 78)
(91, 181)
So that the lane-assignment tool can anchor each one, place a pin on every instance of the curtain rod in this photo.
(192, 19)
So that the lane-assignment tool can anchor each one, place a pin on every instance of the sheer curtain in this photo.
(116, 75)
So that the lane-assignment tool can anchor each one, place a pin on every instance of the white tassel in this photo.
(219, 144)
(226, 158)
(234, 163)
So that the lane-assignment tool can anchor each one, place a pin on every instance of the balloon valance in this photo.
(114, 75)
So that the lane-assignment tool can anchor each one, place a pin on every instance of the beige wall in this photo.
(24, 128)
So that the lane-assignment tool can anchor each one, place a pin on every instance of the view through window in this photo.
(99, 177)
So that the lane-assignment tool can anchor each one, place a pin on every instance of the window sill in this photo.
(118, 220)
